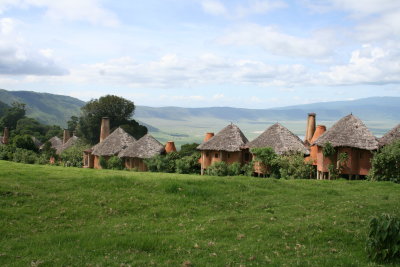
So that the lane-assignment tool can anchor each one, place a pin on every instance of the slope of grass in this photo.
(55, 216)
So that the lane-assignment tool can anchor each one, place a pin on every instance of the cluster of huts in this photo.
(349, 135)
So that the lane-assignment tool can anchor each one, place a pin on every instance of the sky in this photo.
(202, 53)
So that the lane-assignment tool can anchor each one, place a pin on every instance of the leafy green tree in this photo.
(294, 167)
(3, 108)
(118, 109)
(73, 123)
(24, 142)
(386, 164)
(188, 149)
(73, 156)
(13, 115)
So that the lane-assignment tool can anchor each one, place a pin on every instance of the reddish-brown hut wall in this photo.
(131, 163)
(209, 157)
(96, 161)
(359, 162)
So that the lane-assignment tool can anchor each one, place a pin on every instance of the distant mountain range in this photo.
(189, 124)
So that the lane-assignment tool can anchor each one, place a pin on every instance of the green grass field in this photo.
(55, 216)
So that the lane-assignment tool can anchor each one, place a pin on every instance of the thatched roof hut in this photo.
(390, 136)
(230, 139)
(114, 143)
(349, 131)
(146, 147)
(71, 142)
(280, 139)
(55, 142)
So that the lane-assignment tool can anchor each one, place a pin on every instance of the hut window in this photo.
(229, 155)
(206, 154)
(361, 155)
(246, 156)
(216, 155)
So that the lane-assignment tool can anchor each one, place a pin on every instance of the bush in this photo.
(328, 150)
(25, 156)
(234, 169)
(219, 168)
(294, 167)
(73, 156)
(386, 164)
(269, 158)
(188, 164)
(103, 162)
(248, 169)
(383, 243)
(6, 152)
(162, 163)
(24, 142)
(115, 163)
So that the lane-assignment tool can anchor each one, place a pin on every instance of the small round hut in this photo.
(281, 140)
(227, 145)
(145, 148)
(349, 135)
(112, 145)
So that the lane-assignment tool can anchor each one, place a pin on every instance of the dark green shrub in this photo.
(294, 167)
(163, 163)
(328, 150)
(386, 164)
(25, 156)
(24, 142)
(219, 168)
(103, 162)
(115, 163)
(383, 243)
(6, 152)
(269, 158)
(188, 164)
(234, 169)
(248, 169)
(188, 149)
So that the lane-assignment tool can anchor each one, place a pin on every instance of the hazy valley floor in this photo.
(55, 216)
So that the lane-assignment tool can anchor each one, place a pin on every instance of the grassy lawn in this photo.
(55, 216)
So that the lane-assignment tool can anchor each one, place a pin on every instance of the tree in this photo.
(267, 157)
(386, 164)
(188, 149)
(13, 115)
(73, 123)
(118, 109)
(24, 142)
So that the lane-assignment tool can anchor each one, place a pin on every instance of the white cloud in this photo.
(214, 7)
(82, 10)
(16, 58)
(273, 41)
(368, 65)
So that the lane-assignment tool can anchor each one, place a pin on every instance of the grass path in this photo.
(55, 216)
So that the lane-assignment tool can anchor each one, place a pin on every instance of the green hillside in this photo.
(55, 216)
(47, 108)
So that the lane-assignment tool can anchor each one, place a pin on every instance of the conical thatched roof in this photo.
(229, 139)
(280, 139)
(390, 136)
(55, 142)
(71, 142)
(146, 147)
(114, 143)
(349, 131)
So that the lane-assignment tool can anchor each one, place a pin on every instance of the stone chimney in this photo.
(170, 147)
(310, 127)
(6, 135)
(105, 128)
(66, 136)
(208, 136)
